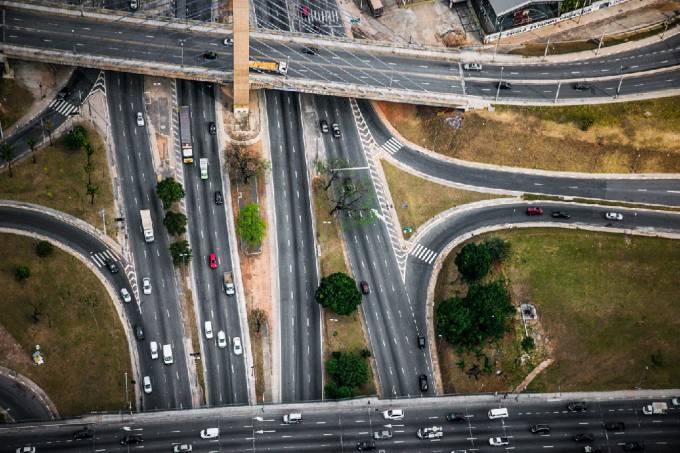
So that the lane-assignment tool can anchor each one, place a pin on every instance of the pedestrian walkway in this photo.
(391, 146)
(65, 108)
(100, 257)
(324, 16)
(423, 253)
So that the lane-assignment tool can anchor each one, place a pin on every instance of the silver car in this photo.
(146, 285)
(384, 434)
(125, 295)
(613, 215)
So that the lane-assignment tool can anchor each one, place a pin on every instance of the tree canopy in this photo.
(175, 222)
(347, 371)
(180, 252)
(483, 314)
(250, 225)
(245, 163)
(76, 138)
(169, 191)
(473, 261)
(339, 293)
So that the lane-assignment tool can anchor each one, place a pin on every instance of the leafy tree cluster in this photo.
(345, 193)
(339, 293)
(483, 314)
(180, 252)
(44, 249)
(250, 225)
(76, 138)
(347, 371)
(475, 259)
(169, 192)
(245, 163)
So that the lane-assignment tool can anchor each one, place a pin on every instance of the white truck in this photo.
(147, 225)
(185, 137)
(656, 408)
(203, 163)
(228, 283)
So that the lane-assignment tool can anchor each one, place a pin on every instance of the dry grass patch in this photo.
(631, 137)
(417, 200)
(78, 330)
(15, 99)
(58, 180)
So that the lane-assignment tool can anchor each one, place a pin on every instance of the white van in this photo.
(501, 412)
(154, 349)
(292, 418)
(210, 433)
(167, 354)
(208, 330)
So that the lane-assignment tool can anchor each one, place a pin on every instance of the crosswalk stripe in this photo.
(424, 254)
(391, 146)
(62, 107)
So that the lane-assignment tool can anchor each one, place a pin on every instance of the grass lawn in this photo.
(58, 180)
(607, 306)
(15, 99)
(341, 333)
(631, 137)
(417, 200)
(79, 331)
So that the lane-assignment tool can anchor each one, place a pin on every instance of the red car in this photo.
(533, 210)
(212, 260)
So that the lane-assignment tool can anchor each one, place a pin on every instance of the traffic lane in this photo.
(20, 403)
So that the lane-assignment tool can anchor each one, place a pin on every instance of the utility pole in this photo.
(547, 44)
(559, 84)
(665, 25)
(500, 35)
(618, 88)
(103, 213)
(600, 44)
(498, 88)
(462, 77)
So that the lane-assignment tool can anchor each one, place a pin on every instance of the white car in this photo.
(125, 295)
(675, 402)
(431, 432)
(182, 448)
(208, 330)
(238, 350)
(154, 349)
(499, 441)
(210, 433)
(26, 450)
(147, 384)
(146, 285)
(393, 414)
(221, 339)
(140, 119)
(613, 216)
(228, 41)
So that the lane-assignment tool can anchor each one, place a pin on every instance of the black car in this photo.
(503, 85)
(614, 426)
(581, 86)
(85, 433)
(633, 446)
(323, 124)
(366, 445)
(209, 55)
(132, 439)
(336, 130)
(212, 129)
(577, 406)
(365, 289)
(455, 417)
(584, 437)
(310, 50)
(540, 429)
(421, 342)
(63, 94)
(111, 265)
(139, 332)
(561, 215)
(422, 380)
(218, 198)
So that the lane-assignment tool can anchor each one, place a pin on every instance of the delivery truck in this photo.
(272, 67)
(147, 226)
(185, 134)
(203, 163)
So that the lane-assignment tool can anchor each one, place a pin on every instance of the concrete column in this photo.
(241, 57)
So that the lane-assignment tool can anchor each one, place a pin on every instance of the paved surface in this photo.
(136, 180)
(19, 401)
(356, 66)
(654, 191)
(337, 428)
(207, 225)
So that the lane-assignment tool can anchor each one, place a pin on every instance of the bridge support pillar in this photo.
(7, 71)
(241, 57)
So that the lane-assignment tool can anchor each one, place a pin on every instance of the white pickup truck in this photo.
(203, 163)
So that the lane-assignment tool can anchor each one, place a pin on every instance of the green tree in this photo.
(31, 144)
(76, 138)
(245, 163)
(169, 191)
(498, 248)
(528, 343)
(483, 314)
(7, 154)
(180, 252)
(92, 190)
(347, 369)
(175, 222)
(338, 292)
(333, 392)
(473, 261)
(22, 273)
(44, 249)
(89, 151)
(250, 225)
(89, 168)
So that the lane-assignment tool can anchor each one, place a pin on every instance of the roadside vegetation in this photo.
(50, 299)
(71, 176)
(343, 334)
(14, 100)
(629, 137)
(417, 200)
(606, 314)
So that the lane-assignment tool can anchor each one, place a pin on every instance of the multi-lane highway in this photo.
(136, 181)
(361, 70)
(339, 427)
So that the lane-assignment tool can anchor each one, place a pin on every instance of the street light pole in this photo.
(498, 88)
(600, 44)
(559, 84)
(547, 44)
(181, 44)
(618, 88)
(462, 77)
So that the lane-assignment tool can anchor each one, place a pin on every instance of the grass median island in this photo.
(78, 330)
(59, 179)
(629, 137)
(341, 333)
(607, 308)
(417, 200)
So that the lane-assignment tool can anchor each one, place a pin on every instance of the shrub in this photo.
(44, 249)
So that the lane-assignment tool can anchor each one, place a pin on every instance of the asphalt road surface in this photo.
(336, 428)
(368, 69)
(161, 310)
